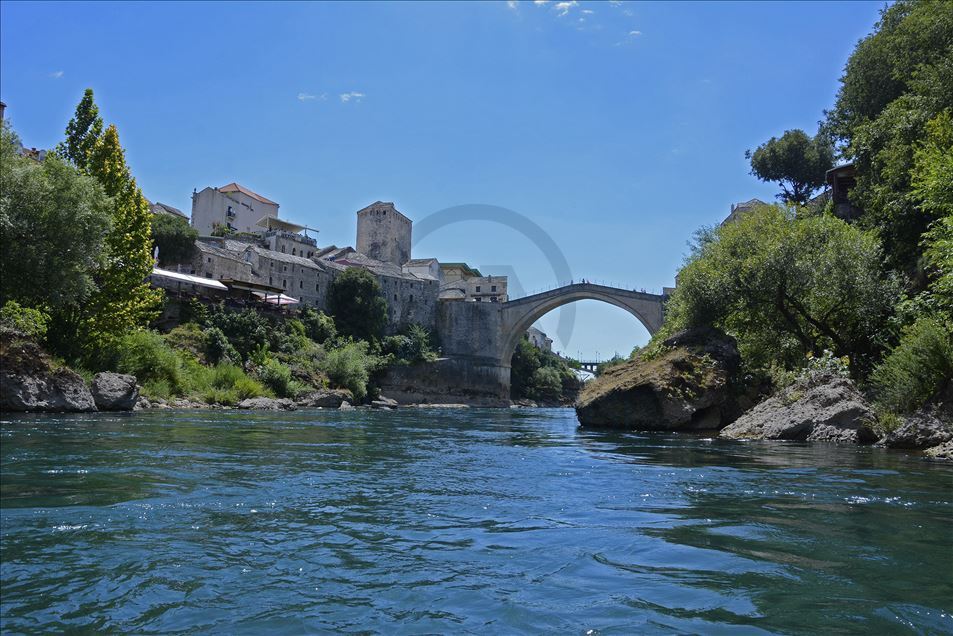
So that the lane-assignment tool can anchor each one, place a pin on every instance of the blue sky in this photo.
(618, 127)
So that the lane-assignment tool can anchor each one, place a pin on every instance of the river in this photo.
(459, 521)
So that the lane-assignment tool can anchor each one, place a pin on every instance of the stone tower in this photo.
(384, 233)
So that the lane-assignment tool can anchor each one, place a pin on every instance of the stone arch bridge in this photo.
(520, 314)
(478, 339)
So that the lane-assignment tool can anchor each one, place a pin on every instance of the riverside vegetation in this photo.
(808, 295)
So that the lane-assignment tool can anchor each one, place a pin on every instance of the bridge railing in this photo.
(594, 281)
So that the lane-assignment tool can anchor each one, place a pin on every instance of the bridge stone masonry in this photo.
(478, 340)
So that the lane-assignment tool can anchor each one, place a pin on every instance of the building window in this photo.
(209, 259)
(271, 264)
(284, 283)
(317, 288)
(269, 280)
(478, 289)
(300, 284)
(282, 248)
(294, 252)
(284, 268)
(493, 288)
(411, 298)
(479, 299)
(208, 274)
(395, 296)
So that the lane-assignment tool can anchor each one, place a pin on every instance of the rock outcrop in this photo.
(686, 387)
(326, 399)
(115, 391)
(942, 451)
(268, 404)
(31, 381)
(919, 431)
(823, 408)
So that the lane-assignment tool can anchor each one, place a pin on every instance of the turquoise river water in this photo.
(459, 521)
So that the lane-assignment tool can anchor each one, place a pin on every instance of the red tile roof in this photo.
(235, 187)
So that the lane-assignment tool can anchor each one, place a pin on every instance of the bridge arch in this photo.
(519, 315)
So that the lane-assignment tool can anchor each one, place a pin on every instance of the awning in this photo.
(274, 223)
(252, 287)
(277, 299)
(188, 278)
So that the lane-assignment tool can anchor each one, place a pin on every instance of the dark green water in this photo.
(475, 521)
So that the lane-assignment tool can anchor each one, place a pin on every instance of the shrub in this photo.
(224, 383)
(30, 322)
(412, 345)
(277, 377)
(187, 338)
(218, 348)
(147, 356)
(246, 330)
(917, 368)
(350, 367)
(547, 384)
(318, 325)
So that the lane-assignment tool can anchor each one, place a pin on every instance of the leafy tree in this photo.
(541, 375)
(798, 163)
(318, 325)
(933, 187)
(897, 80)
(357, 305)
(918, 368)
(174, 237)
(82, 132)
(787, 288)
(52, 223)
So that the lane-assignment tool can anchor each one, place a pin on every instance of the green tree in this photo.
(797, 163)
(124, 299)
(933, 187)
(82, 132)
(357, 305)
(52, 223)
(787, 288)
(897, 80)
(174, 237)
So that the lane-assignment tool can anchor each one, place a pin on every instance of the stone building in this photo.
(383, 233)
(410, 298)
(459, 281)
(539, 339)
(231, 206)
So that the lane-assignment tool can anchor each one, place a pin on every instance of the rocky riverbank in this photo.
(691, 385)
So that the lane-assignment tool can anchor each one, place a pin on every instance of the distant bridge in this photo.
(591, 366)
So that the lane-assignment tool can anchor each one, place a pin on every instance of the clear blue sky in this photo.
(618, 127)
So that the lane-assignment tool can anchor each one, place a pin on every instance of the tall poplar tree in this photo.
(82, 132)
(123, 299)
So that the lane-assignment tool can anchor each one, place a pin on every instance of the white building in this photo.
(231, 206)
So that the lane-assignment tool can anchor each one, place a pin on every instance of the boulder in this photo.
(824, 408)
(31, 381)
(345, 406)
(330, 399)
(384, 403)
(115, 391)
(688, 386)
(919, 431)
(942, 451)
(268, 404)
(142, 404)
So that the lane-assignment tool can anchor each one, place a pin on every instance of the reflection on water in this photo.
(459, 521)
